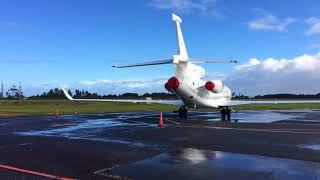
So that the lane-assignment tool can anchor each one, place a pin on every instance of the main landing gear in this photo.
(225, 112)
(183, 112)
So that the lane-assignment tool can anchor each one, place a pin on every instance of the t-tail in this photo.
(182, 55)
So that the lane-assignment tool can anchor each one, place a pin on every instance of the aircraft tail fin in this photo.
(183, 55)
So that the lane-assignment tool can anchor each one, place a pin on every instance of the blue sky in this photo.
(74, 43)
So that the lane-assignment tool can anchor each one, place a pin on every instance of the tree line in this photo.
(84, 94)
(277, 96)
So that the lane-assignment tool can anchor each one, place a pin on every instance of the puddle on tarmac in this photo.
(311, 146)
(117, 141)
(266, 116)
(247, 116)
(87, 124)
(24, 144)
(200, 164)
(261, 116)
(88, 130)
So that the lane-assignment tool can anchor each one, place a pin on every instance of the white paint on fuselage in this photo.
(192, 91)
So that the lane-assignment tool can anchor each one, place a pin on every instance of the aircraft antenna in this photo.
(1, 95)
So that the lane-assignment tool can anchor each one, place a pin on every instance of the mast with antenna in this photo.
(1, 94)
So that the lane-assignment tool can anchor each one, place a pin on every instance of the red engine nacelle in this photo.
(215, 86)
(172, 84)
(209, 85)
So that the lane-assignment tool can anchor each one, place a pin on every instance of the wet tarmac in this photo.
(261, 145)
(192, 163)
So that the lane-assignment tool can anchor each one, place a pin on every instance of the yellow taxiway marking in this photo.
(104, 172)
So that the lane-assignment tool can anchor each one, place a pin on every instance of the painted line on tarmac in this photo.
(298, 123)
(34, 173)
(63, 124)
(174, 122)
(137, 122)
(255, 130)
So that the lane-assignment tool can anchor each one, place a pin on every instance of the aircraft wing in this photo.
(170, 102)
(239, 102)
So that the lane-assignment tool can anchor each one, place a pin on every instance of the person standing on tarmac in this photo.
(228, 113)
(180, 112)
(185, 112)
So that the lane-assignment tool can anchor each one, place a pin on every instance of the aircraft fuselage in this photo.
(191, 89)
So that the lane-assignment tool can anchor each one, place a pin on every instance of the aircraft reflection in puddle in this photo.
(200, 164)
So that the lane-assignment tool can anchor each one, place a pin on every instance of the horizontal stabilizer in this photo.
(151, 63)
(213, 61)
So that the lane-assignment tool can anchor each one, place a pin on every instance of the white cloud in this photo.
(215, 75)
(40, 87)
(123, 83)
(186, 6)
(314, 26)
(269, 76)
(103, 86)
(252, 62)
(297, 75)
(268, 21)
(121, 86)
(94, 82)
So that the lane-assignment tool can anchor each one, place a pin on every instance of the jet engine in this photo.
(172, 84)
(215, 86)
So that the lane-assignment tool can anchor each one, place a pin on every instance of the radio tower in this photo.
(20, 91)
(1, 94)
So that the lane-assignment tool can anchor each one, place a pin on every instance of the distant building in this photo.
(149, 99)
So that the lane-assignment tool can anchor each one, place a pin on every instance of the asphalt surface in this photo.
(279, 145)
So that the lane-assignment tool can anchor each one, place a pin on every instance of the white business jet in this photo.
(187, 84)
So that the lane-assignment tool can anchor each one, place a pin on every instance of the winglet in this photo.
(67, 94)
(176, 18)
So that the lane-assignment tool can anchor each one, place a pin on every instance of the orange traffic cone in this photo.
(57, 112)
(161, 121)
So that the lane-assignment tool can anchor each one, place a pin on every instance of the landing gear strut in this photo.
(225, 113)
(183, 112)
